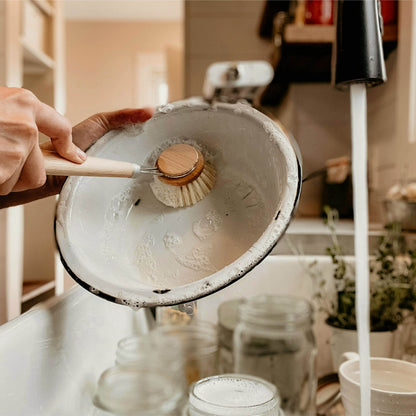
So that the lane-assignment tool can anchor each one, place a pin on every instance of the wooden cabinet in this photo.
(32, 57)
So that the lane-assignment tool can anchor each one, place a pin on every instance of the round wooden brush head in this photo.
(180, 164)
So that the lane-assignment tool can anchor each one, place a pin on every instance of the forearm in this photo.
(52, 187)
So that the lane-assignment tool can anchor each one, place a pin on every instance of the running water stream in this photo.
(359, 173)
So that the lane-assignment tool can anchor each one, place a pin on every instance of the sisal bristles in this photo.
(187, 195)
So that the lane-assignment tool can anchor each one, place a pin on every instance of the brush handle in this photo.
(93, 166)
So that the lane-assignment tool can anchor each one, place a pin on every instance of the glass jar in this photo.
(233, 395)
(227, 321)
(274, 340)
(139, 391)
(137, 350)
(199, 341)
(148, 379)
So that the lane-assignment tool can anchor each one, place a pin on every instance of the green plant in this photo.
(392, 281)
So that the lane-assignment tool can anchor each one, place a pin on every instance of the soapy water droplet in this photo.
(159, 219)
(119, 206)
(166, 108)
(148, 240)
(198, 259)
(172, 240)
(207, 226)
(270, 128)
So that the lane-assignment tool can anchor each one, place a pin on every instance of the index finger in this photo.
(59, 129)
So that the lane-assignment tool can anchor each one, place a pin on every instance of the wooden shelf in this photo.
(45, 6)
(325, 33)
(33, 289)
(35, 61)
(309, 33)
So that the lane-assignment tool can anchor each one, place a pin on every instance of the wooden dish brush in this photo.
(182, 177)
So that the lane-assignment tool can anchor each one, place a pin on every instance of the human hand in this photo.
(84, 135)
(22, 117)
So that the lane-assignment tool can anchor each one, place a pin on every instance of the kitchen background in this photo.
(90, 56)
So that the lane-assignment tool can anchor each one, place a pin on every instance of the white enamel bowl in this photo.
(120, 243)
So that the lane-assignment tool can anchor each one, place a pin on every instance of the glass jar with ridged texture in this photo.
(138, 350)
(274, 340)
(199, 341)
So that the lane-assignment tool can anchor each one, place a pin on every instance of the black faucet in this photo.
(358, 49)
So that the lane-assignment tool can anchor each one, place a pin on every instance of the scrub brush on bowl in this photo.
(196, 181)
(182, 176)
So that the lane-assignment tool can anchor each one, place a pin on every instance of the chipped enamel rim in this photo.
(216, 281)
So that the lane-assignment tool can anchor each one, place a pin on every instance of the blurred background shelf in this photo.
(45, 6)
(35, 292)
(35, 61)
(32, 57)
(32, 290)
(325, 33)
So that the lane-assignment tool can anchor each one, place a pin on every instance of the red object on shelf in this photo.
(389, 11)
(319, 12)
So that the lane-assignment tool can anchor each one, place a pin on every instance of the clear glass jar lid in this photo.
(233, 395)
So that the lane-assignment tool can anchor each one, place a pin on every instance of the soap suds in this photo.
(144, 257)
(165, 247)
(234, 392)
(197, 259)
(207, 226)
(172, 247)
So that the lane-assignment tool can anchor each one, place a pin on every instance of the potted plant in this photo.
(392, 291)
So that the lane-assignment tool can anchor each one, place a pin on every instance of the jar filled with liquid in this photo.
(274, 340)
(233, 395)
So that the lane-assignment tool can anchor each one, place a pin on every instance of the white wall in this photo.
(101, 61)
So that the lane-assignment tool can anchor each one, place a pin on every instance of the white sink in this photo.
(51, 357)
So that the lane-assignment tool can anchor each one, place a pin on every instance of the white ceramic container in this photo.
(393, 387)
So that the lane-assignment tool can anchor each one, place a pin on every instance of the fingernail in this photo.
(82, 155)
